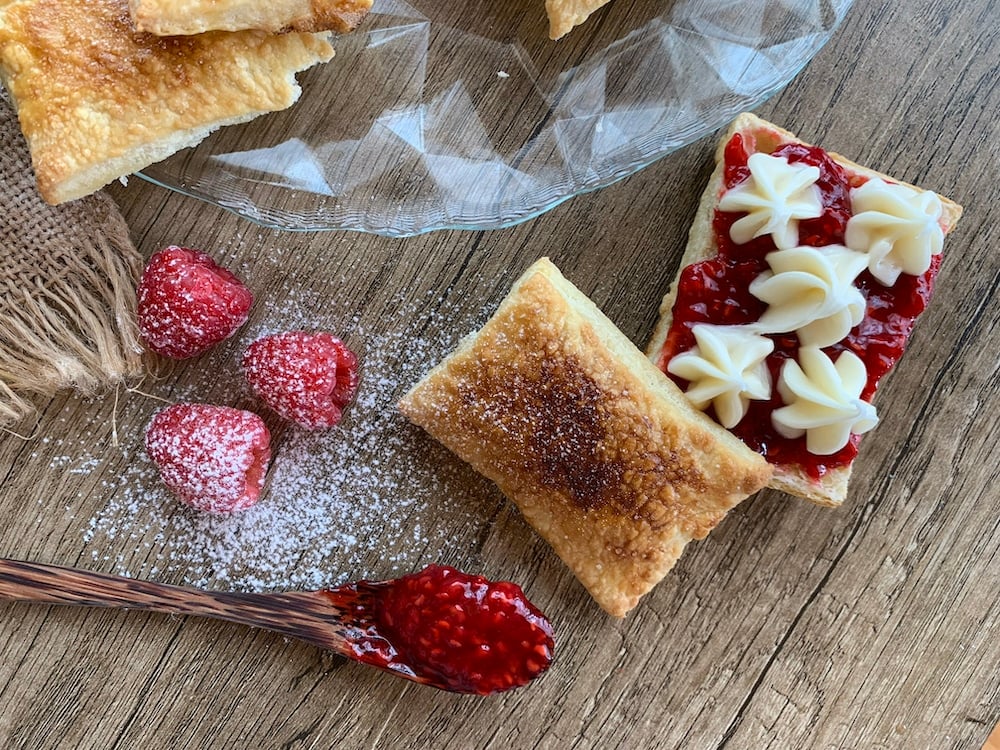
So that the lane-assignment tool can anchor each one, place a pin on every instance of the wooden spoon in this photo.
(407, 626)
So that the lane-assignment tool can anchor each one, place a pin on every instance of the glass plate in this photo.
(438, 115)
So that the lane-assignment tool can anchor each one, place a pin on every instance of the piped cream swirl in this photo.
(823, 400)
(898, 227)
(726, 369)
(811, 291)
(775, 197)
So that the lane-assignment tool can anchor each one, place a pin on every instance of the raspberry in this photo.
(188, 303)
(306, 377)
(213, 457)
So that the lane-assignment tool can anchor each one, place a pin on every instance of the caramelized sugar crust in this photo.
(92, 91)
(610, 465)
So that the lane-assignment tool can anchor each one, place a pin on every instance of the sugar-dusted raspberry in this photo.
(214, 458)
(306, 377)
(188, 303)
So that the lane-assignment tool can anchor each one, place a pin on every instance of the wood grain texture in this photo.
(790, 626)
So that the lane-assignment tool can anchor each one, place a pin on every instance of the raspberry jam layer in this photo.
(465, 632)
(716, 291)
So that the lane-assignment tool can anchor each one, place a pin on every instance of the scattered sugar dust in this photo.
(371, 498)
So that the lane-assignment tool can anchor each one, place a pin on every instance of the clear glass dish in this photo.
(448, 115)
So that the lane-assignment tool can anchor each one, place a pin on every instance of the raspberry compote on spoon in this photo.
(439, 627)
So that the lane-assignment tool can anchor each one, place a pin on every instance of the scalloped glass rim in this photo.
(467, 131)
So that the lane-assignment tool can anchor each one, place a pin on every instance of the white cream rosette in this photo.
(775, 197)
(726, 369)
(898, 227)
(823, 400)
(811, 291)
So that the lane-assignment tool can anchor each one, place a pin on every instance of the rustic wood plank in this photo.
(790, 626)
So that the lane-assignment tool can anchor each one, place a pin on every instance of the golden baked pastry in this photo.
(173, 17)
(602, 454)
(97, 100)
(564, 15)
(805, 476)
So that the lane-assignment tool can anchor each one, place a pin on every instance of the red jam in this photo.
(717, 291)
(466, 633)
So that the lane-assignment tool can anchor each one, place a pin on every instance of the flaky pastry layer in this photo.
(173, 17)
(97, 100)
(602, 454)
(564, 15)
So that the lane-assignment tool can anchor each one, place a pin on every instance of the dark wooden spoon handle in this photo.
(353, 620)
(303, 615)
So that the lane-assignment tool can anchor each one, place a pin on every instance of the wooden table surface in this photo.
(792, 626)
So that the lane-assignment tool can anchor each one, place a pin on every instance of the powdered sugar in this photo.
(370, 498)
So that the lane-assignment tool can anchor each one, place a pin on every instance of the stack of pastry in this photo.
(803, 277)
(603, 455)
(104, 88)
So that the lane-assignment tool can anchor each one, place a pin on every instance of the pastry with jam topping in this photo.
(802, 279)
(602, 454)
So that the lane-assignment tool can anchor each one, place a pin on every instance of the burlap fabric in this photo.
(67, 287)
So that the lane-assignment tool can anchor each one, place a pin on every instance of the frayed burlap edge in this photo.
(77, 330)
(67, 289)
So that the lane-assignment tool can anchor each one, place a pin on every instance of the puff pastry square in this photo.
(172, 17)
(601, 453)
(97, 100)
